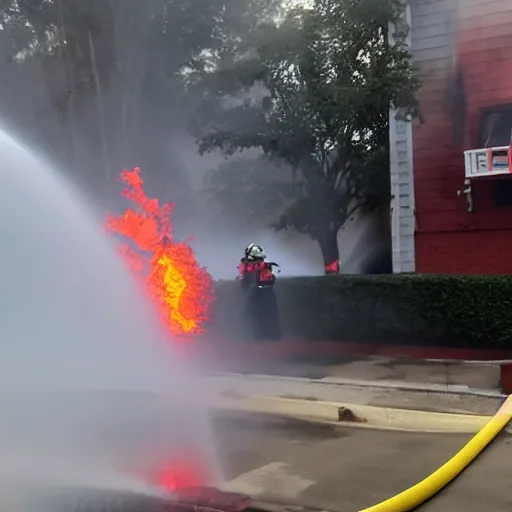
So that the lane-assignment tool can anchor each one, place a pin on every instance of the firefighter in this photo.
(254, 270)
(257, 276)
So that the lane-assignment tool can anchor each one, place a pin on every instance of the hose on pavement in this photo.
(416, 495)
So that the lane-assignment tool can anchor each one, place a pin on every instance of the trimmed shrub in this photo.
(448, 310)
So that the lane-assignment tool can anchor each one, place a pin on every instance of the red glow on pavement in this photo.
(179, 287)
(183, 472)
(181, 477)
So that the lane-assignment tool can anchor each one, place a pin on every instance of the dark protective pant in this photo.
(262, 314)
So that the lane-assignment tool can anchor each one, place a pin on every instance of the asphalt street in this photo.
(342, 469)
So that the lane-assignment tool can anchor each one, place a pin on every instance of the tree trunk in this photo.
(330, 253)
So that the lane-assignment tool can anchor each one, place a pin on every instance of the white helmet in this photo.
(255, 251)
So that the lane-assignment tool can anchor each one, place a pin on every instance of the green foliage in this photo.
(101, 84)
(251, 188)
(331, 75)
(470, 311)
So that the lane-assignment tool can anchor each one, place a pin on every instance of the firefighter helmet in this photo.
(255, 251)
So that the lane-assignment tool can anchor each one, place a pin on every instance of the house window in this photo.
(502, 192)
(495, 127)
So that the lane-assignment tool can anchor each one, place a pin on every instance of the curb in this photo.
(476, 362)
(290, 348)
(355, 415)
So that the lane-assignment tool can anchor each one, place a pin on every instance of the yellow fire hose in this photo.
(422, 491)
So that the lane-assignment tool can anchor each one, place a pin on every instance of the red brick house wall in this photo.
(448, 239)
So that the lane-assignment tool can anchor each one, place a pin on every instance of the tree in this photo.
(99, 84)
(251, 187)
(331, 75)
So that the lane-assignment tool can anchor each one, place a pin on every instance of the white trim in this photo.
(402, 231)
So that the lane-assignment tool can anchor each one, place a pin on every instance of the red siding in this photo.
(465, 252)
(448, 238)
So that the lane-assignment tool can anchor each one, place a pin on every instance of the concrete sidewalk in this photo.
(449, 376)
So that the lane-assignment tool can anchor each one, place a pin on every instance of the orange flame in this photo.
(181, 289)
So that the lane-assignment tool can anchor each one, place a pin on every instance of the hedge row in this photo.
(459, 311)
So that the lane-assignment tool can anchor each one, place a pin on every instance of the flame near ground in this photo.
(180, 288)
